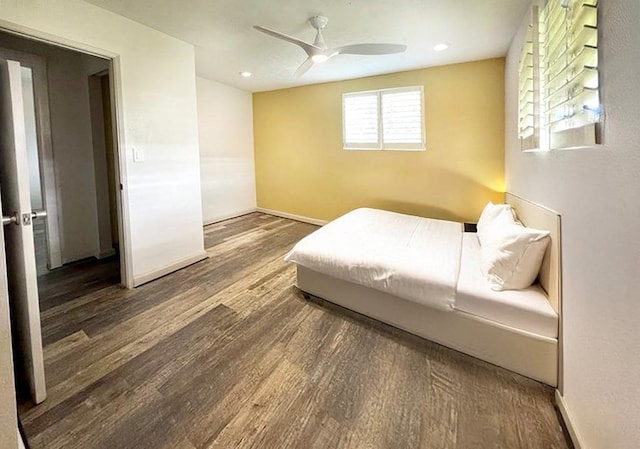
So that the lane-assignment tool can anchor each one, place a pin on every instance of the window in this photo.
(387, 119)
(529, 87)
(559, 98)
(569, 51)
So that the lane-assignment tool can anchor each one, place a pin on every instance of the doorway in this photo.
(74, 207)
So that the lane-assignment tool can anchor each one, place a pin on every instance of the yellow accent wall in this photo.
(302, 169)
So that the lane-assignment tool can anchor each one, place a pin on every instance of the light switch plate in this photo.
(138, 155)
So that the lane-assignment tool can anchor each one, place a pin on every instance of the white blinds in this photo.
(360, 120)
(389, 119)
(402, 118)
(569, 51)
(529, 87)
(558, 90)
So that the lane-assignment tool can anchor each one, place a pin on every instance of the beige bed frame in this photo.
(529, 354)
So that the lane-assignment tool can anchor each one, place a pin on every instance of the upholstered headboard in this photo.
(539, 217)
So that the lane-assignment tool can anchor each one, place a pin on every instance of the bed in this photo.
(442, 298)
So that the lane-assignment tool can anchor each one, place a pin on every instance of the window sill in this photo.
(413, 150)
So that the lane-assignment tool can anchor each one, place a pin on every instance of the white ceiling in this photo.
(226, 43)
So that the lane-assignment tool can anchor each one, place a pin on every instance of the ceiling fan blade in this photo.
(308, 48)
(368, 49)
(304, 67)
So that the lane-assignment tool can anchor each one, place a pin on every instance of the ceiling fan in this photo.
(319, 52)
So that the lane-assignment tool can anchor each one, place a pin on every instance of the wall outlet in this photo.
(138, 155)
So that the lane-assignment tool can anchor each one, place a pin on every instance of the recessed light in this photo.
(440, 47)
(246, 74)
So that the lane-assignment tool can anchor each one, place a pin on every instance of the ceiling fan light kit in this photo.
(319, 58)
(318, 52)
(440, 47)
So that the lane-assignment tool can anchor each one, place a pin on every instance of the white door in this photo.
(18, 232)
(8, 418)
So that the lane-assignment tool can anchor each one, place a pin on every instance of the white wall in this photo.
(156, 94)
(225, 121)
(72, 153)
(598, 193)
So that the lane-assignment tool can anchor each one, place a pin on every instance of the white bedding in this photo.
(414, 258)
(527, 309)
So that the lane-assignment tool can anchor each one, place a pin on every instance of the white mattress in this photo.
(414, 258)
(526, 309)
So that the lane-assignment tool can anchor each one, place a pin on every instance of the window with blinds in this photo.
(570, 85)
(529, 87)
(387, 119)
(360, 120)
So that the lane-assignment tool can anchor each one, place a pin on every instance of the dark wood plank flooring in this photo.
(228, 354)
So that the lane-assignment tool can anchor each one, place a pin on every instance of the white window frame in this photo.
(381, 145)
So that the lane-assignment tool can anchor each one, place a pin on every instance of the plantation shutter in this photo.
(569, 47)
(529, 87)
(402, 118)
(360, 116)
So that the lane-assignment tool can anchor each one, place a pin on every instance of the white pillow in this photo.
(511, 254)
(489, 213)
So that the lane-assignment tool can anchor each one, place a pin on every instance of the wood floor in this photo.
(228, 354)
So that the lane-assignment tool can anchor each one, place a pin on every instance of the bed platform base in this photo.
(523, 352)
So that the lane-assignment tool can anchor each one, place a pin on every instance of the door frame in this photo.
(95, 84)
(124, 231)
(50, 189)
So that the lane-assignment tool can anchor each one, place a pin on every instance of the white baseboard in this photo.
(155, 274)
(301, 218)
(76, 257)
(564, 411)
(229, 216)
(20, 442)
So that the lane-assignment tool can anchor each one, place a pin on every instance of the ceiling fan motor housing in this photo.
(318, 22)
